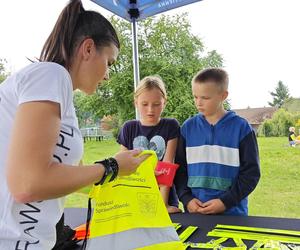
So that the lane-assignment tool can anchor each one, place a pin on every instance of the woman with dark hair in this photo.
(41, 143)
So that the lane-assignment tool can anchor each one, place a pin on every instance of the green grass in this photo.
(277, 194)
(98, 150)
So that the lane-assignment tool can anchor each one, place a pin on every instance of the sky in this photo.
(259, 40)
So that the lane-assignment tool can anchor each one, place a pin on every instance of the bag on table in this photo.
(129, 213)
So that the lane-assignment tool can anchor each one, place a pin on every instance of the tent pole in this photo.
(135, 56)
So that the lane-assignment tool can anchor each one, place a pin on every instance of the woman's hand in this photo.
(128, 161)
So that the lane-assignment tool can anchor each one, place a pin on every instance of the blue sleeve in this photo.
(181, 178)
(249, 172)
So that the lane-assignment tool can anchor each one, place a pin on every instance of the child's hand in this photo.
(214, 206)
(194, 205)
(128, 161)
(173, 209)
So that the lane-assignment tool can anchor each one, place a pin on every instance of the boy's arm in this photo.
(181, 178)
(249, 172)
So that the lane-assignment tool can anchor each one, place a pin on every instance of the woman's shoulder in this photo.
(47, 72)
(50, 67)
(44, 81)
(44, 69)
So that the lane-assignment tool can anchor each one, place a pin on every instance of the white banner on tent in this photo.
(145, 8)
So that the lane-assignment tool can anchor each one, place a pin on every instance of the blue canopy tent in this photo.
(135, 10)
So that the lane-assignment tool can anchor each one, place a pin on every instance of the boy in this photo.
(218, 152)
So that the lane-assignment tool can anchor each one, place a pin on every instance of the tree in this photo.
(279, 124)
(280, 95)
(82, 108)
(3, 72)
(227, 105)
(166, 48)
(292, 105)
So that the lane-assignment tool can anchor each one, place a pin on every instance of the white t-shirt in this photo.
(31, 226)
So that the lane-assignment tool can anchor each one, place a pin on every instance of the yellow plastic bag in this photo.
(129, 213)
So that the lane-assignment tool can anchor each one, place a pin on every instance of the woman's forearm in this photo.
(55, 181)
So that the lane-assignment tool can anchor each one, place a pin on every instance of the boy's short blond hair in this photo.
(149, 83)
(217, 75)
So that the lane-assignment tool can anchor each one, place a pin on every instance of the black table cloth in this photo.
(205, 223)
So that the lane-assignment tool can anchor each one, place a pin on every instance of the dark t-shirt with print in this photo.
(134, 135)
(291, 135)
